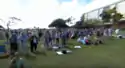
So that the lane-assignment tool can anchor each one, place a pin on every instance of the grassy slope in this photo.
(110, 55)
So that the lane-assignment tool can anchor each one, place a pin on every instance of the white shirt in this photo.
(85, 38)
(79, 39)
(109, 30)
(117, 31)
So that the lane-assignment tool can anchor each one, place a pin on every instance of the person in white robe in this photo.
(117, 31)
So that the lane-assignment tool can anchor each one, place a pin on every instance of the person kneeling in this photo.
(16, 61)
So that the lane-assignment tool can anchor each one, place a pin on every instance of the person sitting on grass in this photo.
(97, 38)
(84, 40)
(87, 40)
(79, 39)
(16, 61)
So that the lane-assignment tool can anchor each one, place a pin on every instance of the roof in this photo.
(121, 21)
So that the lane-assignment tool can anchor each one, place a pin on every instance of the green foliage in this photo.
(111, 14)
(78, 25)
(59, 23)
(81, 23)
(86, 24)
(105, 16)
(117, 17)
(83, 18)
(68, 20)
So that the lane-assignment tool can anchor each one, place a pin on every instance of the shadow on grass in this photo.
(4, 57)
(33, 56)
(30, 57)
(40, 53)
(89, 66)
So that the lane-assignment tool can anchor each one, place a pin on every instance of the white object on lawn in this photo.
(55, 47)
(118, 36)
(77, 46)
(123, 36)
(59, 52)
(68, 51)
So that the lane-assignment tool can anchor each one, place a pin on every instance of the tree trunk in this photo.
(115, 25)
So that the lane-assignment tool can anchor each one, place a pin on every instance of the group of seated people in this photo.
(95, 39)
(87, 41)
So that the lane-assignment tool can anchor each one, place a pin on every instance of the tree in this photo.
(12, 20)
(59, 23)
(77, 25)
(81, 23)
(116, 16)
(111, 14)
(105, 16)
(82, 19)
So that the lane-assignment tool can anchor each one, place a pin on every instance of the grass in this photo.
(110, 55)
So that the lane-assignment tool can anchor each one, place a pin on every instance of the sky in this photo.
(41, 13)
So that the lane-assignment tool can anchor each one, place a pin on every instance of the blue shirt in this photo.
(13, 38)
(24, 38)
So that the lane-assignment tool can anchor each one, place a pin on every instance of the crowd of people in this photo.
(24, 41)
(19, 40)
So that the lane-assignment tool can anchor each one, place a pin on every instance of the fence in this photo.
(94, 14)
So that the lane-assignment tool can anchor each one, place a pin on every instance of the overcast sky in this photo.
(40, 13)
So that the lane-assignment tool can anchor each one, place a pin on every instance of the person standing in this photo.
(47, 38)
(109, 32)
(52, 37)
(24, 39)
(63, 38)
(13, 43)
(7, 37)
(33, 43)
(40, 34)
(57, 36)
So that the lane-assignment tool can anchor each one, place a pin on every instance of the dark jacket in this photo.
(13, 38)
(34, 40)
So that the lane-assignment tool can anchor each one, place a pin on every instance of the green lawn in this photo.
(110, 55)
